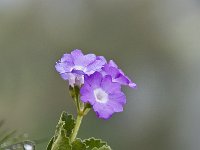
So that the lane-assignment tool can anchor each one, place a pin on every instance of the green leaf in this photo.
(7, 136)
(64, 128)
(62, 142)
(78, 145)
(69, 123)
(94, 143)
(49, 146)
(103, 148)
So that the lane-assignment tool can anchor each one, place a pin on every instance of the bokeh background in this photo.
(157, 43)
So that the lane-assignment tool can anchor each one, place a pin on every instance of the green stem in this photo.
(77, 103)
(77, 126)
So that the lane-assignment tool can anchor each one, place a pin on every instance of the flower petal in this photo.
(87, 94)
(119, 97)
(94, 80)
(103, 111)
(112, 64)
(122, 79)
(117, 74)
(64, 76)
(67, 58)
(132, 85)
(110, 86)
(88, 59)
(117, 107)
(96, 65)
(76, 53)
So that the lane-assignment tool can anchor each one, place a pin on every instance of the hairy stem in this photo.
(77, 126)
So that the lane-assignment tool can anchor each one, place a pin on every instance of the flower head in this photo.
(74, 66)
(117, 74)
(104, 95)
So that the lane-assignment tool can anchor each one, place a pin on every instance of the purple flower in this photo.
(74, 66)
(117, 74)
(104, 95)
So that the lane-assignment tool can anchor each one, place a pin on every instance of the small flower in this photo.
(117, 74)
(74, 66)
(104, 95)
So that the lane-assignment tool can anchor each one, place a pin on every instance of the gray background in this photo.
(155, 42)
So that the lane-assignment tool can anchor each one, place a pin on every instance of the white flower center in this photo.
(79, 68)
(100, 95)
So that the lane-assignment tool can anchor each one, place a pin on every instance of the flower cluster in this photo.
(100, 82)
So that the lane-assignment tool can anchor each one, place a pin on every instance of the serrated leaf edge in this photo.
(80, 141)
(92, 138)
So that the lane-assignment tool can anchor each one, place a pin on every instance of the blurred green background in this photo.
(157, 43)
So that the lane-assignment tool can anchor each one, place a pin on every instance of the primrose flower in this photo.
(74, 66)
(104, 95)
(117, 74)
